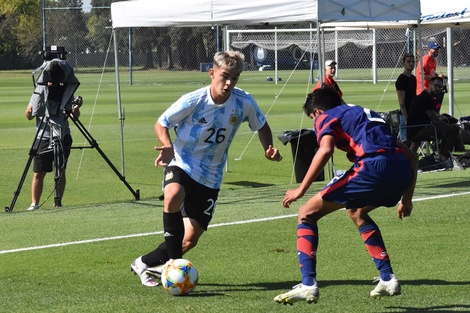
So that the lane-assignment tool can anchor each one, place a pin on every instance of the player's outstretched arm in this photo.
(406, 205)
(324, 153)
(166, 149)
(266, 139)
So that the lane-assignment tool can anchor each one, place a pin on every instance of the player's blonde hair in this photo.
(229, 60)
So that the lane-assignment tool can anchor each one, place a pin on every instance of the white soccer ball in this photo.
(179, 277)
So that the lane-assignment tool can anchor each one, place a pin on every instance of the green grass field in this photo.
(76, 259)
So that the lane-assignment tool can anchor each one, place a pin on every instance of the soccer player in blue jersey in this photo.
(207, 121)
(383, 172)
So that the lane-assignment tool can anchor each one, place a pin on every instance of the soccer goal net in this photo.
(362, 54)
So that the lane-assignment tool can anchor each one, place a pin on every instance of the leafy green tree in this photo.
(193, 45)
(98, 37)
(160, 45)
(21, 26)
(98, 22)
(8, 40)
(164, 48)
(65, 25)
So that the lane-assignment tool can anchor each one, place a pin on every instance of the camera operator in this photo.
(51, 105)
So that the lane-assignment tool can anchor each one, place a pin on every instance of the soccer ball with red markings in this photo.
(179, 277)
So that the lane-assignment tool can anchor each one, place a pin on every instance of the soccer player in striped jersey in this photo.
(207, 120)
(383, 172)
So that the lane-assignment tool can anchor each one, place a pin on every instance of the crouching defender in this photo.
(384, 171)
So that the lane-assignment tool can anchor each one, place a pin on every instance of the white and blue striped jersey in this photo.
(205, 131)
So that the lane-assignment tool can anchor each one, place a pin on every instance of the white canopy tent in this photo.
(150, 13)
(440, 14)
(189, 13)
(437, 14)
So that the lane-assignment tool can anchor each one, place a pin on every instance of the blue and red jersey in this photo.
(380, 174)
(357, 131)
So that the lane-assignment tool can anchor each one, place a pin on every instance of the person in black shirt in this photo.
(406, 91)
(423, 111)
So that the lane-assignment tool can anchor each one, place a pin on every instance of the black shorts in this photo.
(45, 155)
(199, 200)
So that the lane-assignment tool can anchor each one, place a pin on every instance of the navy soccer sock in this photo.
(307, 243)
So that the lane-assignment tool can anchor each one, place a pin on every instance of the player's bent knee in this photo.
(188, 245)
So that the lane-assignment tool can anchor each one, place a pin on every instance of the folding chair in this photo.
(429, 146)
(394, 122)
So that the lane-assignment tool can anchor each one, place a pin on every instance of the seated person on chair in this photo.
(423, 111)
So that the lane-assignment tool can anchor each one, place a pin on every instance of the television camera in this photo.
(53, 52)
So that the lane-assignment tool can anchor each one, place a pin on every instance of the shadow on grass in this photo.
(429, 188)
(245, 183)
(439, 309)
(224, 288)
(326, 283)
(453, 185)
(45, 209)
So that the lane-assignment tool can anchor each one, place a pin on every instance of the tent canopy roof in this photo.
(151, 13)
(434, 14)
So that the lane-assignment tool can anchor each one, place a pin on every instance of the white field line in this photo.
(215, 225)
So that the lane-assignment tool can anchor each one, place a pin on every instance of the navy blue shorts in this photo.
(379, 180)
(199, 200)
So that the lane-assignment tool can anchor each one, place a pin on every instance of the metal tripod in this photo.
(94, 145)
(33, 151)
(56, 145)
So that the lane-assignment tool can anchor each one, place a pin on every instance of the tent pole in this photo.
(227, 38)
(217, 32)
(450, 71)
(130, 56)
(420, 55)
(275, 57)
(118, 91)
(312, 55)
(374, 57)
(336, 54)
(320, 53)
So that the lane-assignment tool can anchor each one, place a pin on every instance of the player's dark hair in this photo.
(407, 55)
(323, 98)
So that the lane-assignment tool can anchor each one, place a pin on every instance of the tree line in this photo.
(68, 25)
